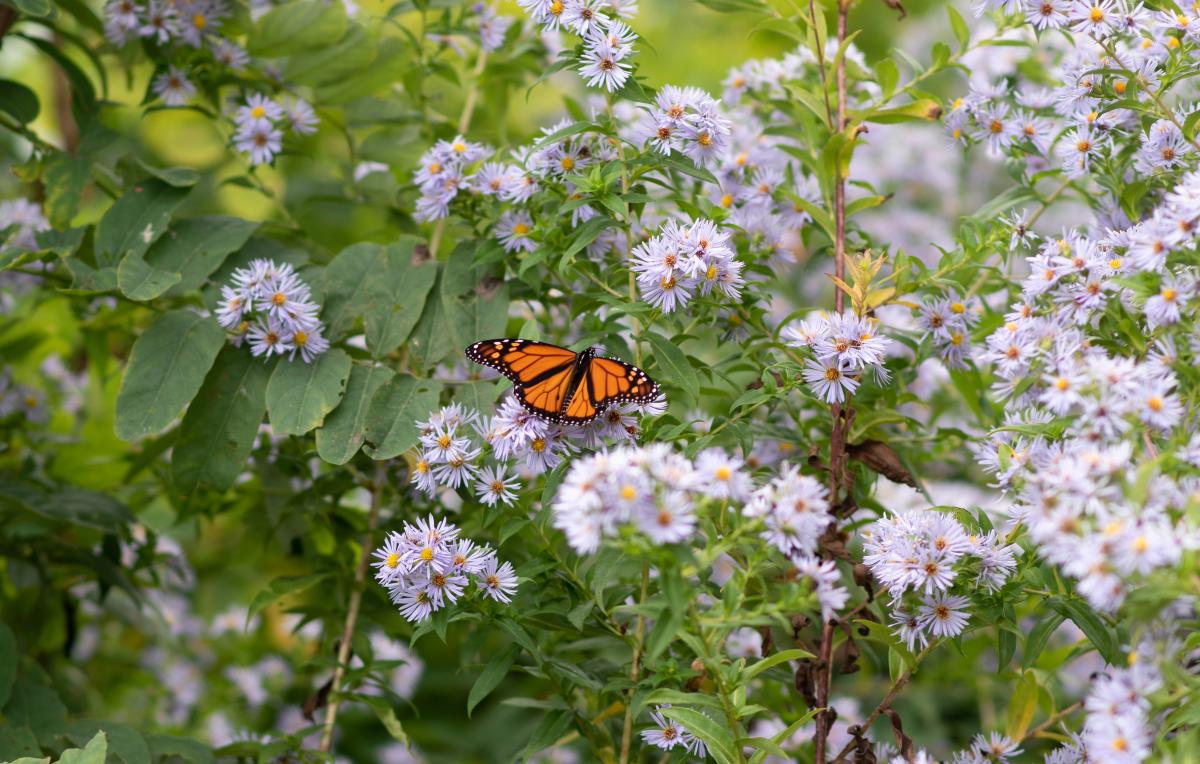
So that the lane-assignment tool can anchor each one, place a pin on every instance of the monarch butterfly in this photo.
(560, 385)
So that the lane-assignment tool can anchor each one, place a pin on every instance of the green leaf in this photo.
(18, 101)
(783, 656)
(491, 676)
(345, 430)
(169, 747)
(183, 177)
(18, 743)
(281, 587)
(196, 247)
(347, 283)
(1022, 706)
(139, 280)
(1039, 635)
(676, 368)
(353, 53)
(219, 429)
(1090, 624)
(8, 662)
(90, 509)
(392, 416)
(300, 395)
(302, 27)
(124, 743)
(167, 367)
(666, 626)
(395, 298)
(888, 76)
(387, 717)
(64, 177)
(34, 705)
(782, 26)
(136, 220)
(721, 745)
(34, 7)
(95, 752)
(961, 32)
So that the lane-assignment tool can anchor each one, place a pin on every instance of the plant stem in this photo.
(635, 671)
(837, 440)
(360, 575)
(1054, 719)
(884, 704)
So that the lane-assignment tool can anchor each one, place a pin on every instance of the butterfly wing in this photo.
(611, 381)
(540, 372)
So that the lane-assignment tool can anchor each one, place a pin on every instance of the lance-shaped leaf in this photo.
(300, 395)
(220, 426)
(167, 367)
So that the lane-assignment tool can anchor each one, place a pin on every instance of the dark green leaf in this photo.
(136, 220)
(220, 426)
(167, 367)
(18, 101)
(300, 395)
(139, 280)
(392, 416)
(491, 676)
(345, 430)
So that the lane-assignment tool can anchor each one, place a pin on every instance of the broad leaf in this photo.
(391, 421)
(136, 220)
(345, 430)
(167, 367)
(300, 395)
(195, 248)
(139, 280)
(220, 426)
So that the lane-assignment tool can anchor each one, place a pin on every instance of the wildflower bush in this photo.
(917, 479)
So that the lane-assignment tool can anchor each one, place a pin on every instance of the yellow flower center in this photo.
(258, 112)
(392, 560)
(1062, 383)
(724, 473)
(279, 298)
(1169, 294)
(520, 229)
(628, 492)
(1097, 14)
(199, 21)
(556, 7)
(300, 338)
(538, 445)
(832, 374)
(567, 163)
(427, 554)
(1155, 403)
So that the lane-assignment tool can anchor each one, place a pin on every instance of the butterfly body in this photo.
(560, 385)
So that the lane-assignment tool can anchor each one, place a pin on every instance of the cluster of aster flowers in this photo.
(427, 566)
(931, 554)
(260, 123)
(651, 489)
(195, 23)
(270, 306)
(686, 120)
(844, 346)
(684, 260)
(947, 322)
(668, 735)
(607, 41)
(440, 175)
(453, 439)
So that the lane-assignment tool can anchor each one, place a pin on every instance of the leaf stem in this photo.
(635, 671)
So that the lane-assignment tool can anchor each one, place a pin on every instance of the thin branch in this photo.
(884, 705)
(635, 671)
(360, 576)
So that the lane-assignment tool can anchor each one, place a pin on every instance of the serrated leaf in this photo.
(138, 280)
(491, 676)
(220, 427)
(392, 416)
(345, 430)
(165, 371)
(300, 395)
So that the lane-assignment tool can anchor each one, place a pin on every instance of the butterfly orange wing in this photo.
(540, 372)
(523, 361)
(611, 381)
